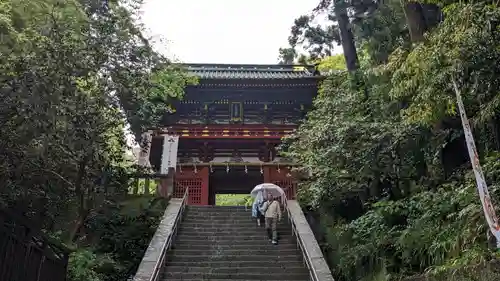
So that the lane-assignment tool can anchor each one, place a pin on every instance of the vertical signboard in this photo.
(169, 153)
(236, 110)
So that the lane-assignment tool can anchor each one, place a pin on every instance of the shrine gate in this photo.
(227, 128)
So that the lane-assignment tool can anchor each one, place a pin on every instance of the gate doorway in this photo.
(235, 181)
(233, 199)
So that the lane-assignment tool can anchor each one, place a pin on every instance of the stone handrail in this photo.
(313, 257)
(154, 258)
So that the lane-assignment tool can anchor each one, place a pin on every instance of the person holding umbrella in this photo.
(270, 208)
(256, 207)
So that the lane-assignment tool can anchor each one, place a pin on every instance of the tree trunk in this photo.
(347, 38)
(77, 225)
(81, 195)
(415, 20)
(495, 126)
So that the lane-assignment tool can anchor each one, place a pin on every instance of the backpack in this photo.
(263, 207)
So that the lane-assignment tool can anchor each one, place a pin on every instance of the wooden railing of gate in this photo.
(26, 254)
(148, 184)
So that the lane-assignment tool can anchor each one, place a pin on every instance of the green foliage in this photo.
(84, 265)
(463, 48)
(377, 26)
(430, 231)
(73, 74)
(71, 71)
(390, 179)
(141, 188)
(118, 238)
(166, 84)
(336, 62)
(233, 200)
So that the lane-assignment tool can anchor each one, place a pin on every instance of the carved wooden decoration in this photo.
(236, 157)
(206, 153)
(267, 153)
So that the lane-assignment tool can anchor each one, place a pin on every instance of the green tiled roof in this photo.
(250, 71)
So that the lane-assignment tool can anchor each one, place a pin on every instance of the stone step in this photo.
(211, 279)
(227, 223)
(238, 264)
(230, 252)
(283, 243)
(235, 240)
(218, 214)
(219, 208)
(205, 216)
(198, 207)
(232, 210)
(264, 259)
(182, 241)
(210, 224)
(236, 276)
(222, 220)
(225, 243)
(222, 210)
(225, 213)
(220, 237)
(234, 270)
(235, 229)
(233, 221)
(205, 247)
(233, 235)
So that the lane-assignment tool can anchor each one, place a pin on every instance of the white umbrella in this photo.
(268, 188)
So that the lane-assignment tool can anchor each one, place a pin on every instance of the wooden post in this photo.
(170, 182)
(146, 186)
(135, 189)
(158, 186)
(204, 174)
(267, 175)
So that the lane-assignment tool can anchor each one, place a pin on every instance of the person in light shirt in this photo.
(272, 216)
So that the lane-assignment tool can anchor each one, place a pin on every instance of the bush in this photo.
(119, 237)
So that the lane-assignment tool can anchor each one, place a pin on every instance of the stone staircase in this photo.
(223, 243)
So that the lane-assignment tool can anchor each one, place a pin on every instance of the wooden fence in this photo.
(148, 184)
(26, 254)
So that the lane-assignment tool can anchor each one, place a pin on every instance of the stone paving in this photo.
(223, 243)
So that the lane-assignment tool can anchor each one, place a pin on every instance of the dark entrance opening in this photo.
(236, 181)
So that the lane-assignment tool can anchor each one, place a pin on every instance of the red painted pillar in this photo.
(283, 178)
(204, 175)
(267, 174)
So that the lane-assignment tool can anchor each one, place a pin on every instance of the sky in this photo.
(222, 31)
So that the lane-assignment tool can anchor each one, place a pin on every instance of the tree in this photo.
(420, 18)
(382, 26)
(332, 63)
(319, 40)
(392, 186)
(74, 73)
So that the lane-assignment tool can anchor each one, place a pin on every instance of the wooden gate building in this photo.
(229, 126)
